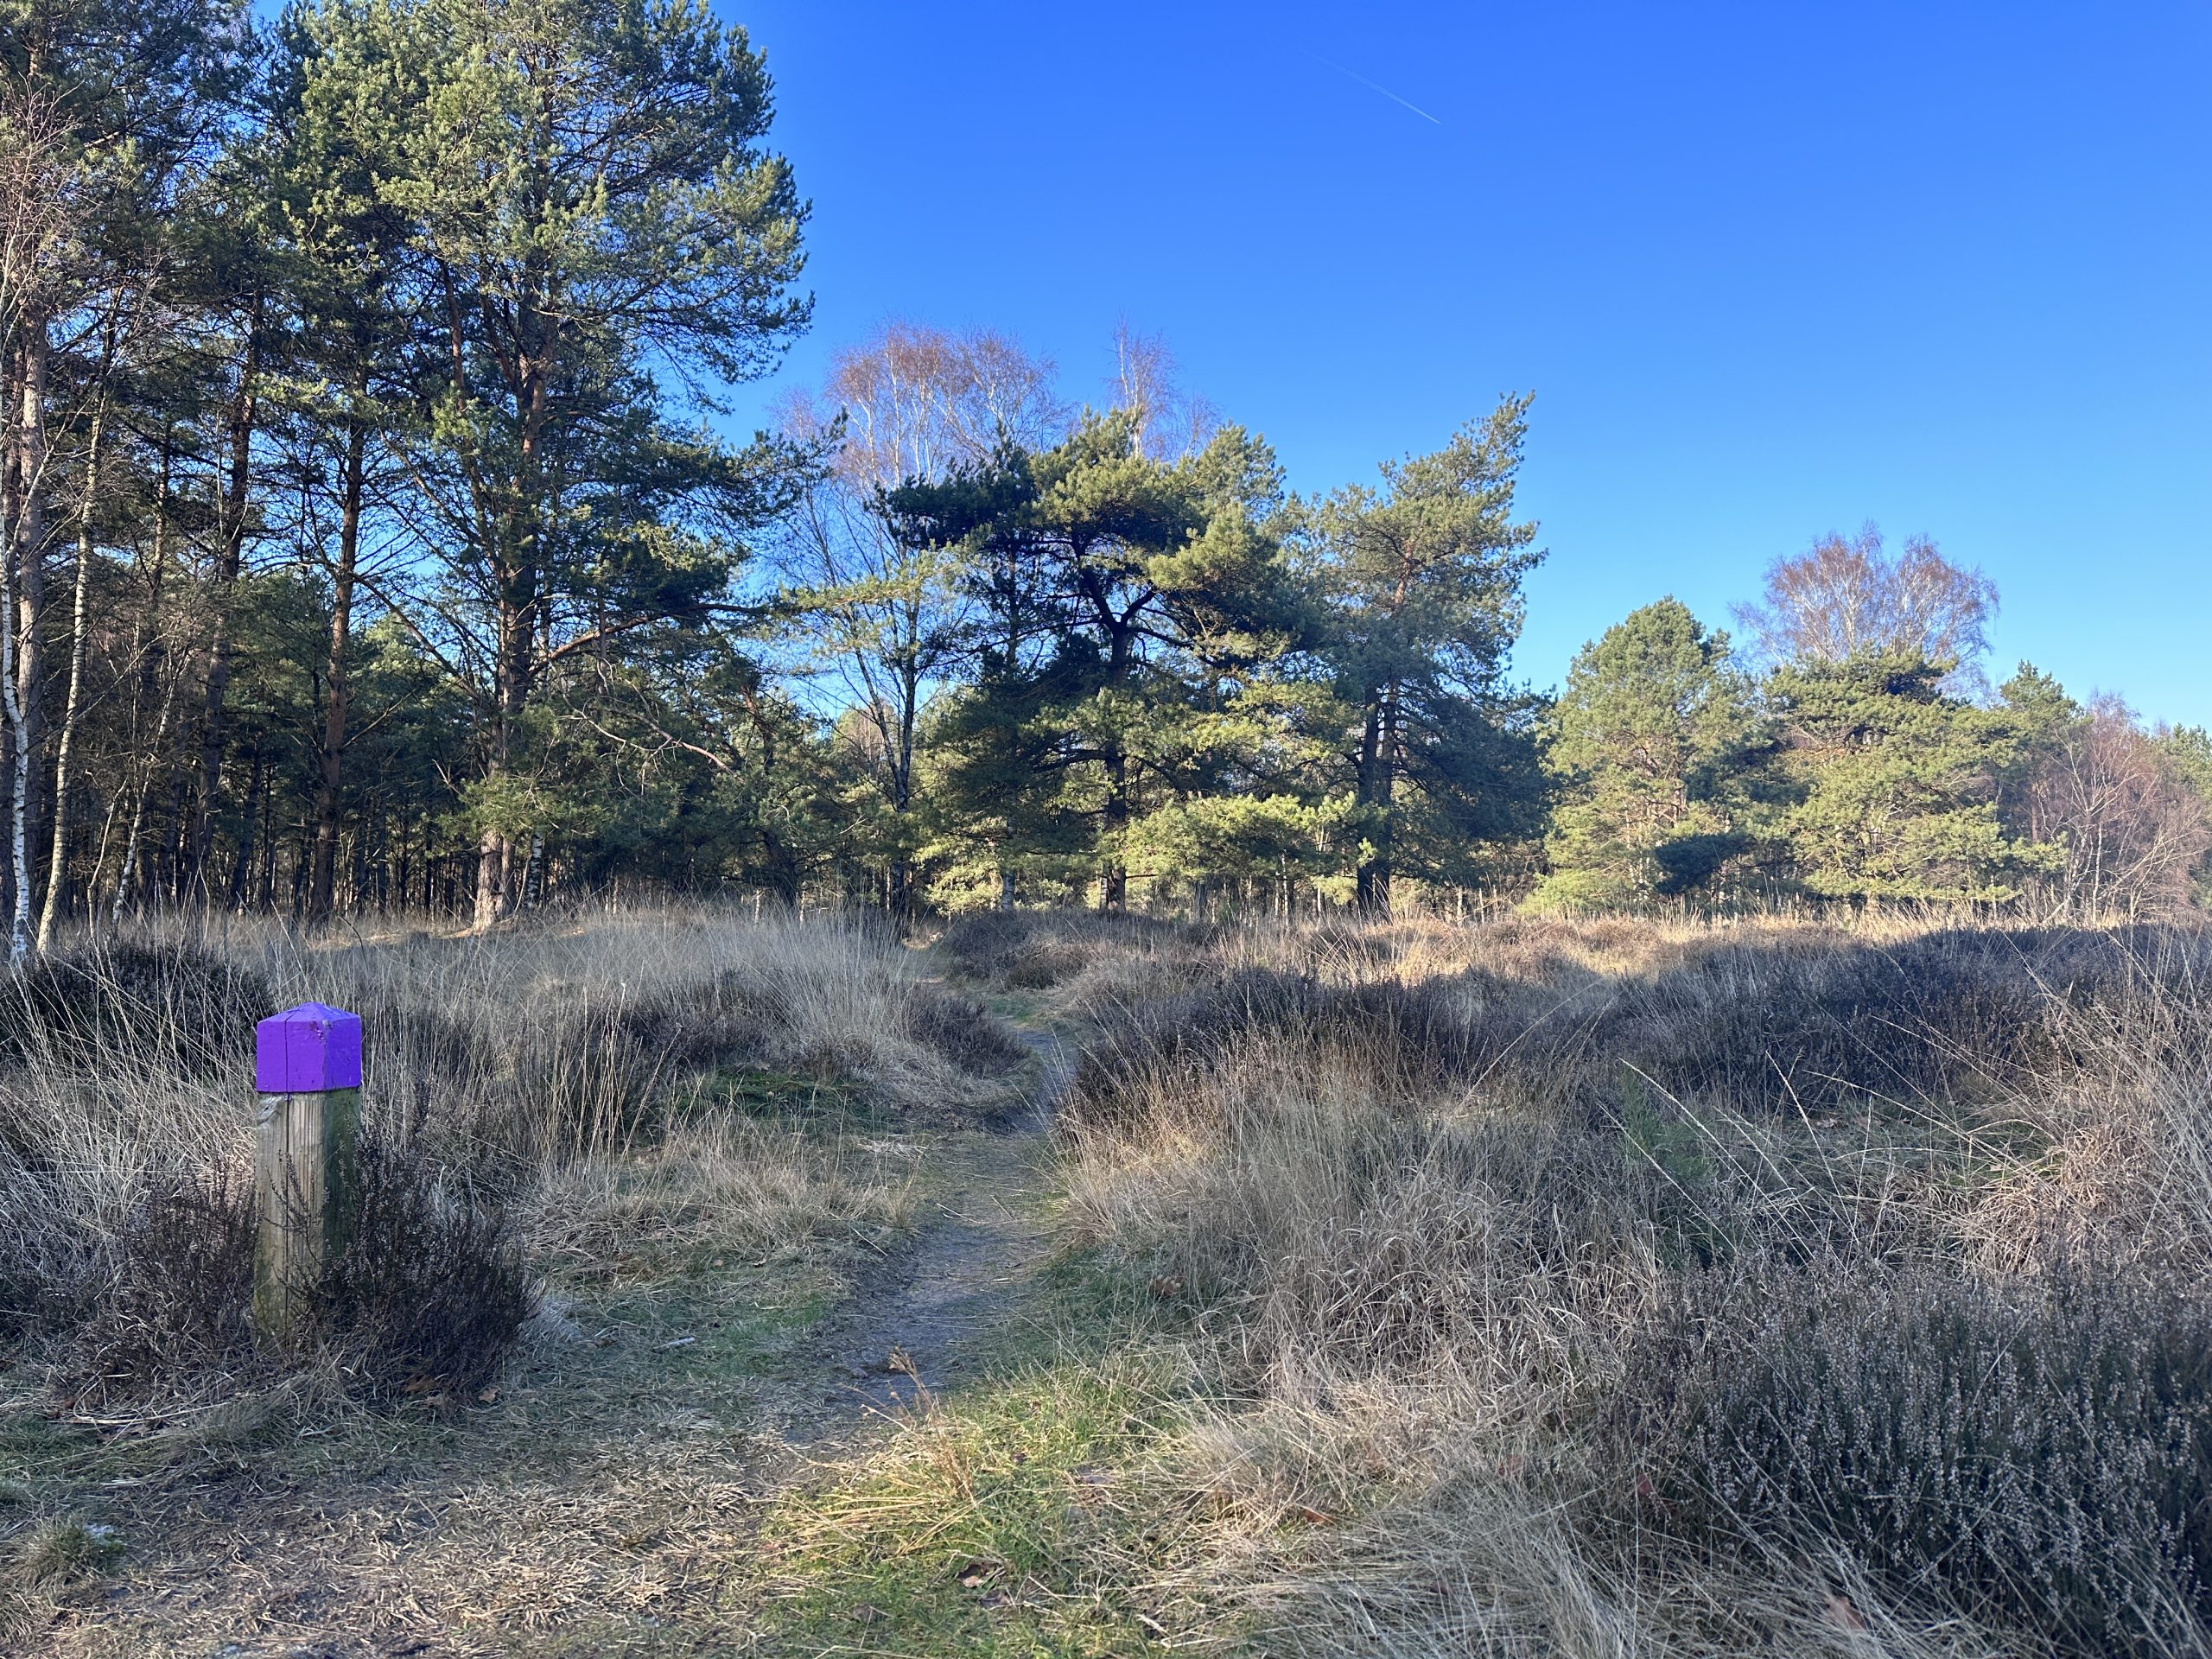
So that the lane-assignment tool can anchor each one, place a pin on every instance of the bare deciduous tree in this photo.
(1844, 594)
(914, 403)
(2133, 829)
(1171, 422)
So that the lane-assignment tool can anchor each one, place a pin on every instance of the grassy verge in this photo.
(1027, 1516)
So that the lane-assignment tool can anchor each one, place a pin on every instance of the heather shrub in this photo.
(1777, 1022)
(430, 1292)
(427, 1297)
(1038, 949)
(1040, 967)
(1424, 1197)
(507, 1064)
(1785, 1025)
(1776, 1030)
(178, 1301)
(534, 1048)
(2037, 1453)
(1466, 1035)
(958, 1030)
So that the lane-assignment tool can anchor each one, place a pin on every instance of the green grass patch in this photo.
(1018, 1008)
(1019, 1519)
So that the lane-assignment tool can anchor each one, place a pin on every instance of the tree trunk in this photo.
(57, 870)
(25, 555)
(242, 870)
(1371, 894)
(152, 680)
(335, 708)
(1377, 792)
(1114, 883)
(229, 552)
(1386, 825)
(1113, 886)
(129, 873)
(495, 847)
(900, 900)
(21, 590)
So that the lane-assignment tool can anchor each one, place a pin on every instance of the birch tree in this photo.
(889, 617)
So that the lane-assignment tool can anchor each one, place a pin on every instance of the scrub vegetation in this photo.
(1560, 1289)
(1530, 1287)
(602, 1159)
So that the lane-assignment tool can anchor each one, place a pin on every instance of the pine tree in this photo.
(1653, 745)
(1899, 784)
(1423, 576)
(1116, 593)
(592, 230)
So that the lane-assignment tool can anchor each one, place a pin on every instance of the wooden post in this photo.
(307, 1068)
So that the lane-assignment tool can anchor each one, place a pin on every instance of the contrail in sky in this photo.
(1372, 87)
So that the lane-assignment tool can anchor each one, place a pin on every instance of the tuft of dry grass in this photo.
(720, 1187)
(1487, 1244)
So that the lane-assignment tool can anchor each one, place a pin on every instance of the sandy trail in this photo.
(928, 1319)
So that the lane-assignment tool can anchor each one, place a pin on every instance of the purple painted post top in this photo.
(306, 1050)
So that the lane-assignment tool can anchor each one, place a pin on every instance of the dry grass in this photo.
(519, 1064)
(695, 1125)
(1429, 1198)
(1528, 1289)
(716, 1186)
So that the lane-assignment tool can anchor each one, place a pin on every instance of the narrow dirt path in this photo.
(927, 1320)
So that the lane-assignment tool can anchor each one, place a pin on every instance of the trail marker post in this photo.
(306, 1069)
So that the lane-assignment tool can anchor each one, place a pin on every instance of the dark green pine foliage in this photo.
(990, 786)
(594, 236)
(1121, 598)
(1657, 746)
(2044, 718)
(1422, 575)
(1899, 783)
(339, 247)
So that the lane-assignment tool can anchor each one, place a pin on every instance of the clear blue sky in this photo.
(1770, 270)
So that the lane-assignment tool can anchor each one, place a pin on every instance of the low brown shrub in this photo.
(1770, 1025)
(960, 1030)
(179, 1303)
(117, 1005)
(1037, 950)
